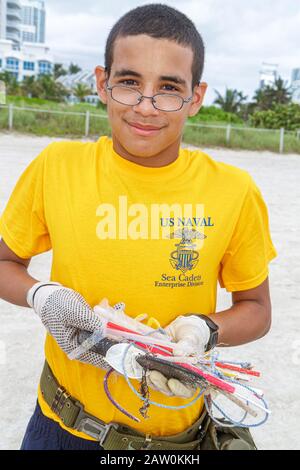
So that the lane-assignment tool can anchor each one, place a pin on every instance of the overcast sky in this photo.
(239, 35)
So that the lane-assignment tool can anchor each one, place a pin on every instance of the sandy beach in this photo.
(277, 355)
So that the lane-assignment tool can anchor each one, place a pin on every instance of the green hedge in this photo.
(287, 116)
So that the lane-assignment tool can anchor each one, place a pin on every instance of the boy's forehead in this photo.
(150, 56)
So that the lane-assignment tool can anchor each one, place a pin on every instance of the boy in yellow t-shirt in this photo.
(138, 219)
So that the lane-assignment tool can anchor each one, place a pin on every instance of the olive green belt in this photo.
(114, 435)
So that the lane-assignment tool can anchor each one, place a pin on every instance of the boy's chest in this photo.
(169, 238)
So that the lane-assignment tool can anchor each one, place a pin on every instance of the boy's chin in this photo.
(142, 151)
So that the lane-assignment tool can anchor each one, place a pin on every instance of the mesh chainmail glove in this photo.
(64, 313)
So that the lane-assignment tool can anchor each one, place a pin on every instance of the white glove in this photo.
(169, 387)
(191, 334)
(64, 312)
(155, 379)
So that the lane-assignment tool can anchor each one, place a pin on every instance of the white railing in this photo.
(87, 115)
(228, 129)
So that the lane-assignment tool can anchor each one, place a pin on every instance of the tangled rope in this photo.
(211, 366)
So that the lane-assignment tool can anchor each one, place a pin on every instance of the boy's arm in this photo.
(248, 319)
(62, 310)
(15, 281)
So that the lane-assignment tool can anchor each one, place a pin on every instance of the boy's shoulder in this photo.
(218, 170)
(68, 153)
(65, 148)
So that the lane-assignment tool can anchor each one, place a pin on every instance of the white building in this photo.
(84, 77)
(30, 59)
(10, 21)
(295, 85)
(268, 74)
(33, 21)
(19, 57)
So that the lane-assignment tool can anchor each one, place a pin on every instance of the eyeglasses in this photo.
(161, 101)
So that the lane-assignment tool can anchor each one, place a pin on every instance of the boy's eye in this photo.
(129, 82)
(171, 88)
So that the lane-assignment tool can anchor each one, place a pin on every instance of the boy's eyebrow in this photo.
(168, 78)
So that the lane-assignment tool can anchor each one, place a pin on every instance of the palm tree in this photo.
(281, 93)
(45, 87)
(278, 93)
(81, 90)
(59, 70)
(232, 100)
(73, 68)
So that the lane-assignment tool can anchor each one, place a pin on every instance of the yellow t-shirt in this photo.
(157, 239)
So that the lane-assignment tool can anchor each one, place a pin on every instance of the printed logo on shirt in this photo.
(185, 257)
(183, 224)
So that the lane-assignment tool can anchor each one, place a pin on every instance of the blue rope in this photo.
(240, 423)
(213, 370)
(234, 423)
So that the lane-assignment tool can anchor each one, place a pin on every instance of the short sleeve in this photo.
(245, 262)
(22, 223)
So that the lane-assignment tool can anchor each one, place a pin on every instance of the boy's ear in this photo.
(198, 97)
(101, 77)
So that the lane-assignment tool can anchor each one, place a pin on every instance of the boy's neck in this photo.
(164, 158)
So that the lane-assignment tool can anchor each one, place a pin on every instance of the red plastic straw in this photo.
(210, 378)
(238, 369)
(150, 347)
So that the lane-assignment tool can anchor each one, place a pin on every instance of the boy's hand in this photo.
(169, 387)
(190, 333)
(64, 312)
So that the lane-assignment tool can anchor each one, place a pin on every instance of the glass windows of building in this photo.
(12, 63)
(29, 37)
(45, 67)
(28, 65)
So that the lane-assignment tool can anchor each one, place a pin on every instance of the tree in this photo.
(232, 100)
(267, 97)
(11, 83)
(81, 90)
(45, 87)
(262, 99)
(281, 92)
(281, 115)
(27, 86)
(59, 70)
(73, 68)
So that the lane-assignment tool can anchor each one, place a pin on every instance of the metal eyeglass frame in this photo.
(187, 100)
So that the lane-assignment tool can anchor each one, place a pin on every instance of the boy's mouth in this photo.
(145, 130)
